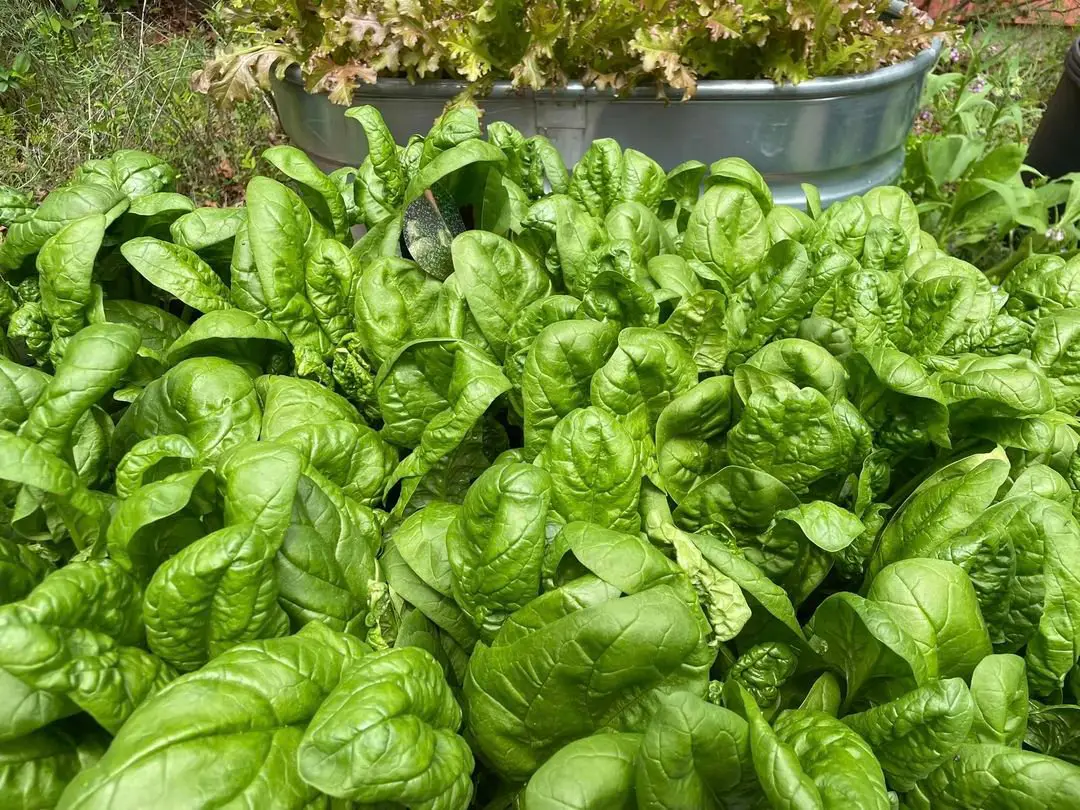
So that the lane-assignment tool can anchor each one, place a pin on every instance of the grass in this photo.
(106, 80)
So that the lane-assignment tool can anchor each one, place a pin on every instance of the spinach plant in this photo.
(598, 488)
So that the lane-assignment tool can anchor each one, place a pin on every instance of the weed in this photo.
(965, 157)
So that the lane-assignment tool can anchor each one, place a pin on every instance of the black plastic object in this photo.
(1055, 149)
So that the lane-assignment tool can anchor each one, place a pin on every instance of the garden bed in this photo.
(844, 135)
(595, 485)
(547, 454)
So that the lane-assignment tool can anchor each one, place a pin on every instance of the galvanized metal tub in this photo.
(844, 134)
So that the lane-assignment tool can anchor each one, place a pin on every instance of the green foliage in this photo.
(15, 74)
(965, 160)
(604, 43)
(639, 496)
(85, 81)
